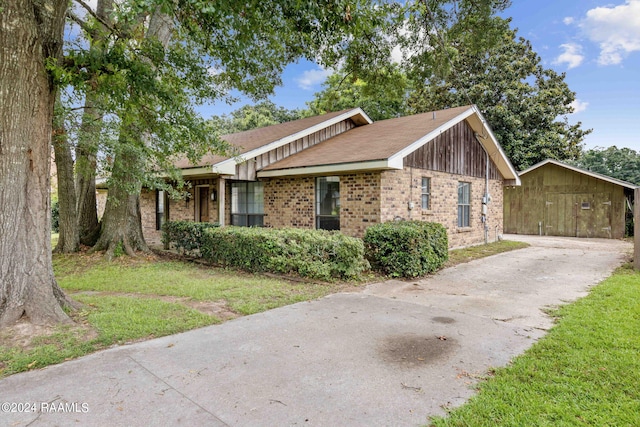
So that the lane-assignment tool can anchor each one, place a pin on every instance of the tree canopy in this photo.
(526, 104)
(620, 163)
(380, 101)
(264, 113)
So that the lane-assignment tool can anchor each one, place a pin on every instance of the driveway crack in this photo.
(179, 392)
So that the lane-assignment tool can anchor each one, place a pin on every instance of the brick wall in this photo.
(399, 187)
(148, 212)
(359, 202)
(101, 201)
(289, 202)
(365, 199)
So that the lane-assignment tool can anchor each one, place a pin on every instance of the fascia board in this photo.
(329, 169)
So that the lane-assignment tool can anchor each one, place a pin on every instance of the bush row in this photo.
(185, 236)
(398, 249)
(316, 254)
(406, 248)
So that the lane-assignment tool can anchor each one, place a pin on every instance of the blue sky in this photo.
(595, 42)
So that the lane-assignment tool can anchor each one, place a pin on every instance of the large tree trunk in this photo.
(69, 238)
(86, 154)
(121, 230)
(29, 34)
(89, 135)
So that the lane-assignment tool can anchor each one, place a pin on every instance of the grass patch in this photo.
(136, 299)
(585, 371)
(459, 256)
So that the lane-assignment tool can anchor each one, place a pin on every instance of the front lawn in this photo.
(584, 372)
(129, 300)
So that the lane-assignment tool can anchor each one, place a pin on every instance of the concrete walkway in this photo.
(391, 355)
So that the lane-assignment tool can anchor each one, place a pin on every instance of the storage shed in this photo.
(556, 199)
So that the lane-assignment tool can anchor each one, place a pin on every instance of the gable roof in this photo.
(384, 144)
(252, 143)
(579, 170)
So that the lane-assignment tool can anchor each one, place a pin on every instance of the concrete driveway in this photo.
(391, 355)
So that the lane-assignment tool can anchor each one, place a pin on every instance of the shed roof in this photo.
(579, 170)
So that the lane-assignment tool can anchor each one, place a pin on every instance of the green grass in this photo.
(244, 293)
(136, 299)
(458, 256)
(584, 372)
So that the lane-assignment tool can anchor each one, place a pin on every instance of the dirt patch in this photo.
(444, 320)
(412, 350)
(23, 333)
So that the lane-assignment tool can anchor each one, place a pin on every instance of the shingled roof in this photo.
(255, 139)
(384, 144)
(368, 146)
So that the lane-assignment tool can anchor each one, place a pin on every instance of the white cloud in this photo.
(616, 29)
(311, 78)
(572, 55)
(568, 20)
(578, 106)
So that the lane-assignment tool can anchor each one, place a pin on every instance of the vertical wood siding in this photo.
(246, 171)
(455, 151)
(556, 201)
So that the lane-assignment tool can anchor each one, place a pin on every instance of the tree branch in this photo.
(96, 16)
(82, 24)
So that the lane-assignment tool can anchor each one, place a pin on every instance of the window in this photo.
(328, 203)
(162, 208)
(247, 204)
(464, 191)
(426, 193)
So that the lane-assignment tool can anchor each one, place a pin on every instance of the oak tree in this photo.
(31, 37)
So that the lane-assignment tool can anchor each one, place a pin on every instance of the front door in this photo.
(203, 200)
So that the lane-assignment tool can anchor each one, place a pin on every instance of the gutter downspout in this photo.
(485, 198)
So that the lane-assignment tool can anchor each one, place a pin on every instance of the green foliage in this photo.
(185, 236)
(248, 117)
(620, 163)
(406, 248)
(382, 96)
(55, 216)
(317, 254)
(526, 104)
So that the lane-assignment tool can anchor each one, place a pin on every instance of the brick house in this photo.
(342, 171)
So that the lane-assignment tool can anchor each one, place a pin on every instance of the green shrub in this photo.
(316, 254)
(406, 248)
(55, 217)
(185, 236)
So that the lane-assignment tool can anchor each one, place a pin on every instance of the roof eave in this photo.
(331, 169)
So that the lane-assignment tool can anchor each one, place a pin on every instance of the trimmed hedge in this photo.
(316, 254)
(406, 248)
(185, 236)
